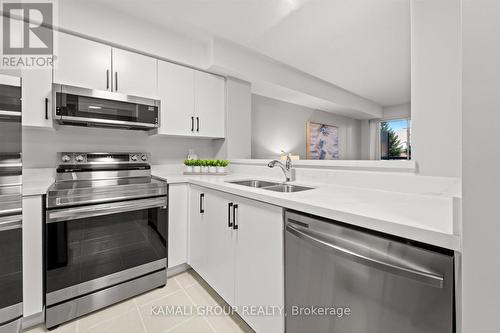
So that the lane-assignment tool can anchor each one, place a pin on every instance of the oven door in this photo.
(11, 277)
(92, 247)
(103, 108)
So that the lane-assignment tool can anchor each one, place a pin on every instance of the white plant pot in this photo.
(189, 168)
(212, 169)
(204, 169)
(221, 169)
(197, 169)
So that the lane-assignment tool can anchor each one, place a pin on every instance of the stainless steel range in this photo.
(105, 233)
(11, 276)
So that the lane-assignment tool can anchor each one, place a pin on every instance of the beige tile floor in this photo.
(135, 315)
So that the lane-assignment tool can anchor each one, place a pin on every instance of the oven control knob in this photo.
(134, 158)
(79, 158)
(66, 158)
(144, 158)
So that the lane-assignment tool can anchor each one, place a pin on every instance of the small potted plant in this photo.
(212, 166)
(221, 166)
(196, 166)
(204, 166)
(189, 165)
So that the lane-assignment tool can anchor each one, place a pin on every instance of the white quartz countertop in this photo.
(430, 219)
(425, 218)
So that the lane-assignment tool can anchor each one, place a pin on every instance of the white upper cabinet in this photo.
(88, 64)
(134, 74)
(176, 91)
(210, 103)
(82, 63)
(192, 102)
(37, 97)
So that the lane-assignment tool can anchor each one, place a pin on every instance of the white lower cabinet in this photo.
(32, 255)
(244, 264)
(177, 224)
(259, 270)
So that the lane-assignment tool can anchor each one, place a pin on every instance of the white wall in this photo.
(238, 142)
(41, 145)
(436, 86)
(397, 111)
(278, 125)
(481, 166)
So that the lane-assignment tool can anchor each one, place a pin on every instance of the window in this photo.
(395, 139)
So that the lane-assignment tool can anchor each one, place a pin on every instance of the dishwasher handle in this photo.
(429, 278)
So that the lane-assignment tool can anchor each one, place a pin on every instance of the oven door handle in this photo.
(11, 222)
(75, 213)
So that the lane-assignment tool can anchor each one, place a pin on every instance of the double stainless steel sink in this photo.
(271, 186)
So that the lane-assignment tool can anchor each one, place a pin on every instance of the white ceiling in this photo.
(362, 46)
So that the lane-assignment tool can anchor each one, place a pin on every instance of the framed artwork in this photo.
(322, 141)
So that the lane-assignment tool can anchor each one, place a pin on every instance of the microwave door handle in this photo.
(75, 213)
(421, 276)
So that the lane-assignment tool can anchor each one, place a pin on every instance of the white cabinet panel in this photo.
(259, 277)
(32, 256)
(134, 74)
(83, 63)
(210, 102)
(197, 232)
(177, 224)
(244, 265)
(176, 91)
(220, 249)
(37, 97)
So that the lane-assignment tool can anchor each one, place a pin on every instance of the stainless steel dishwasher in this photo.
(342, 279)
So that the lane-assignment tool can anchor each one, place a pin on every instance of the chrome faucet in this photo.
(287, 168)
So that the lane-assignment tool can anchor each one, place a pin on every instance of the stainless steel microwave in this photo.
(88, 107)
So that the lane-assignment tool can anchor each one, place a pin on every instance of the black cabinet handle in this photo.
(192, 124)
(202, 203)
(229, 221)
(116, 81)
(235, 216)
(47, 108)
(197, 124)
(107, 79)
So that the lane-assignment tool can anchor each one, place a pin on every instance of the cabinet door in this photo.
(220, 249)
(37, 97)
(134, 74)
(197, 232)
(176, 91)
(259, 274)
(210, 103)
(32, 255)
(177, 224)
(82, 63)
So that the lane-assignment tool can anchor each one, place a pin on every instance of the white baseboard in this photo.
(34, 320)
(177, 269)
